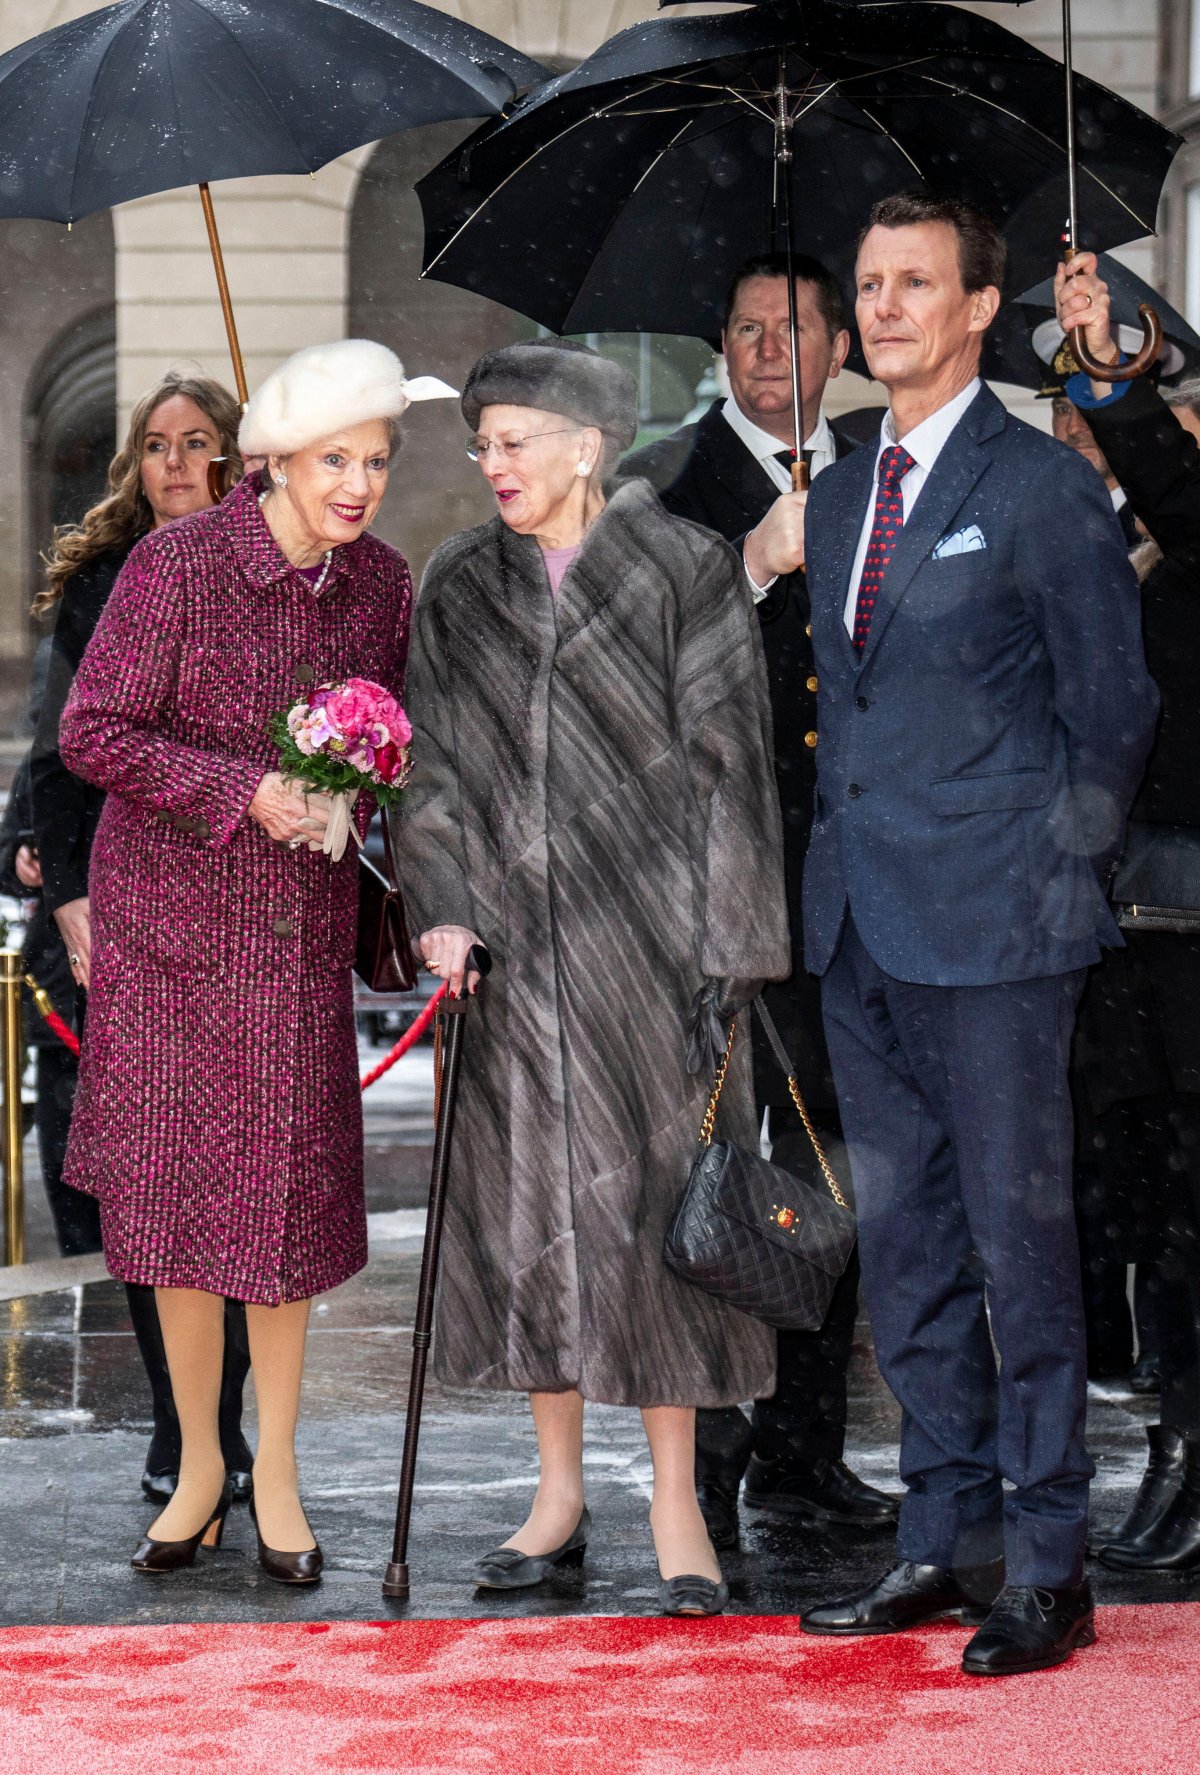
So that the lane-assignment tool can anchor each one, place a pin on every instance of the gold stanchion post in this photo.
(11, 975)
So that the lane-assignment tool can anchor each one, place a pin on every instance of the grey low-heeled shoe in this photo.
(507, 1568)
(692, 1595)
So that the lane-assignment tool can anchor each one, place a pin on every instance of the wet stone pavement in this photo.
(74, 1426)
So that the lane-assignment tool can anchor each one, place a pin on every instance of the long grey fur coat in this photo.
(594, 796)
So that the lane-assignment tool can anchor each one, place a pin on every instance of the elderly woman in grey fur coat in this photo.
(594, 801)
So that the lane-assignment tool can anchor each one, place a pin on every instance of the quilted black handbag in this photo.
(764, 1241)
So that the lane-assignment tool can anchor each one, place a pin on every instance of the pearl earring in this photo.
(281, 480)
(585, 468)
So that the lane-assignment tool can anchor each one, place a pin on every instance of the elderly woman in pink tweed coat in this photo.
(218, 1120)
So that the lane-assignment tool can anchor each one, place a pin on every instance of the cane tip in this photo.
(395, 1581)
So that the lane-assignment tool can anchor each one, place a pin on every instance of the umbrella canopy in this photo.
(148, 95)
(622, 196)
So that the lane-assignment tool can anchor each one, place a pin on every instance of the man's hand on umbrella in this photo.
(1082, 300)
(777, 545)
(445, 949)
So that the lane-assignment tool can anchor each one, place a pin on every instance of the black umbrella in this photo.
(149, 95)
(621, 196)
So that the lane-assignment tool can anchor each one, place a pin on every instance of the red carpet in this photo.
(737, 1696)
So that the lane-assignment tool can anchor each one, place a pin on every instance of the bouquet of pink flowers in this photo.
(340, 739)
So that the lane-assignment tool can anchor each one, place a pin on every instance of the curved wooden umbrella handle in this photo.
(1152, 338)
(220, 480)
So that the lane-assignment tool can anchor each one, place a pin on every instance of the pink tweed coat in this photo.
(218, 1119)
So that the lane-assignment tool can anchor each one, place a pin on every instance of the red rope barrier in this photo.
(41, 999)
(408, 1040)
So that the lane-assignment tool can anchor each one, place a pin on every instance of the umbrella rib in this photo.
(108, 48)
(1042, 136)
(541, 148)
(254, 75)
(882, 127)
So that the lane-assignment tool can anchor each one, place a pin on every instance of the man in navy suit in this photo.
(984, 715)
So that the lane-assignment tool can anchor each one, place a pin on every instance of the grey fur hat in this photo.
(556, 376)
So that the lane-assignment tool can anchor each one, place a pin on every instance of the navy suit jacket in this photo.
(975, 767)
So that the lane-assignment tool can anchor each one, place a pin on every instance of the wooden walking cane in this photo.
(454, 1010)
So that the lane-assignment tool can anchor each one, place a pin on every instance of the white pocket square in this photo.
(962, 542)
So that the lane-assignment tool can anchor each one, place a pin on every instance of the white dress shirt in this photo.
(924, 443)
(764, 448)
(765, 451)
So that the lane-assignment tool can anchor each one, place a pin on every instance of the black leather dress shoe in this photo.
(825, 1492)
(907, 1597)
(1145, 1376)
(159, 1488)
(239, 1462)
(718, 1506)
(1031, 1628)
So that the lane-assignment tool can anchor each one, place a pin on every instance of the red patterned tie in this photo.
(894, 464)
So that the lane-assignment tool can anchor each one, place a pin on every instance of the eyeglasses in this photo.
(479, 449)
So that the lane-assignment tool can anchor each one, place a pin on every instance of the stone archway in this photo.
(70, 428)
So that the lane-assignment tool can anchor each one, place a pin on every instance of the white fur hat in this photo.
(325, 387)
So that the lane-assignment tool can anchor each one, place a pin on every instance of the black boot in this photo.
(724, 1439)
(1173, 1544)
(236, 1366)
(161, 1474)
(1155, 1495)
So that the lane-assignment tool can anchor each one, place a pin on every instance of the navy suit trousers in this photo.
(958, 1125)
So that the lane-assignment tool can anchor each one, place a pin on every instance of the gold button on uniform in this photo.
(808, 630)
(811, 683)
(810, 740)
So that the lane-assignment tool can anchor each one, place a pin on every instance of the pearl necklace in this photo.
(319, 581)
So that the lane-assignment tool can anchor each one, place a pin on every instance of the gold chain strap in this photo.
(822, 1161)
(709, 1124)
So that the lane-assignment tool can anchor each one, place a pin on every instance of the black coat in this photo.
(1139, 1027)
(66, 810)
(43, 953)
(1158, 464)
(705, 472)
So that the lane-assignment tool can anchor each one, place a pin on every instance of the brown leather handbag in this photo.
(384, 960)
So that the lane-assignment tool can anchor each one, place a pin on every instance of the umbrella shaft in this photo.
(1072, 178)
(218, 257)
(783, 186)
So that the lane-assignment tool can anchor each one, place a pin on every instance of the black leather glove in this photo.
(708, 1021)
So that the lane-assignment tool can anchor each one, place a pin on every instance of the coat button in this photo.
(812, 684)
(282, 927)
(808, 630)
(303, 672)
(203, 829)
(810, 740)
(854, 790)
(862, 703)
